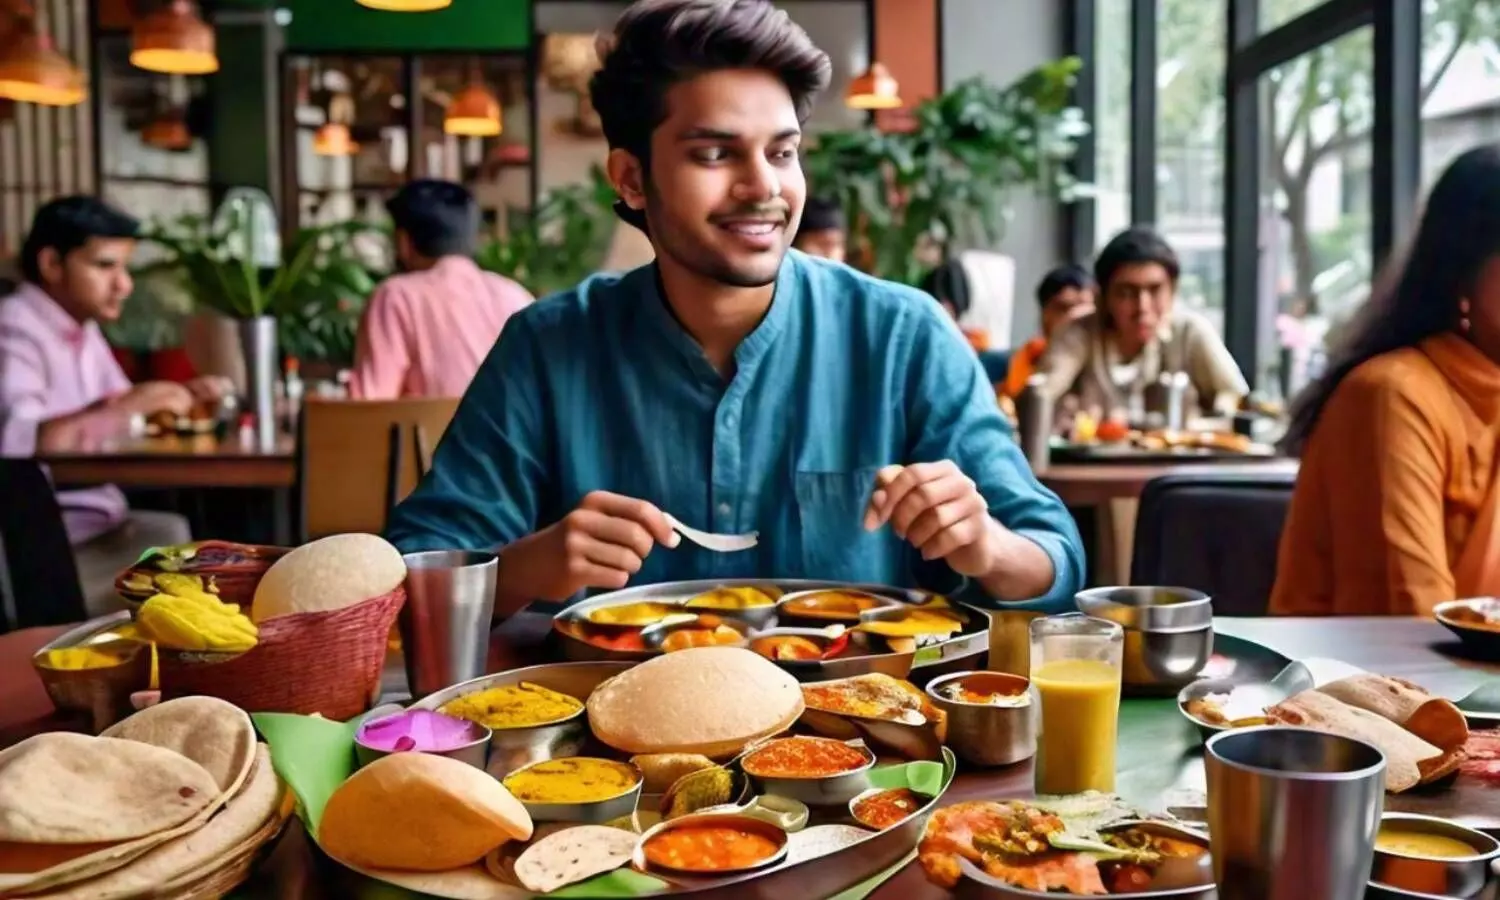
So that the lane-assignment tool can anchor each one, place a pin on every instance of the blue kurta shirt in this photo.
(600, 388)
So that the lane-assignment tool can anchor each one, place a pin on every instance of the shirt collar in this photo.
(52, 314)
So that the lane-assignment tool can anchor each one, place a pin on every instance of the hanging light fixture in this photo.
(474, 111)
(875, 89)
(334, 138)
(406, 5)
(174, 40)
(31, 69)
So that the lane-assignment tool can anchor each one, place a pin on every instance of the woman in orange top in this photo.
(1397, 506)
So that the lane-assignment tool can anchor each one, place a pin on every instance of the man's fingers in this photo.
(923, 497)
(943, 515)
(949, 540)
(625, 533)
(639, 511)
(896, 489)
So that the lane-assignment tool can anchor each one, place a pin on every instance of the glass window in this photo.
(1190, 146)
(1460, 80)
(1112, 119)
(1316, 113)
(497, 169)
(1275, 13)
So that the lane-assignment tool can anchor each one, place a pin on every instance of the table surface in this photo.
(1420, 651)
(1092, 484)
(177, 462)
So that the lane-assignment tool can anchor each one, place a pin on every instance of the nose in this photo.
(758, 183)
(124, 283)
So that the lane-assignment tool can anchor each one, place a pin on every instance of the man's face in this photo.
(91, 282)
(725, 188)
(1139, 297)
(1064, 306)
(827, 243)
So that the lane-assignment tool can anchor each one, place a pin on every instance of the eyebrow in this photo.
(716, 134)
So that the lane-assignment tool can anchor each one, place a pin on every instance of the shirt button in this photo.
(724, 509)
(730, 419)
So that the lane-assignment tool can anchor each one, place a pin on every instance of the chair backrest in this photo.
(1217, 533)
(38, 577)
(358, 458)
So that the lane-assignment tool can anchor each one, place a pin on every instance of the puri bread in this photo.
(213, 733)
(421, 813)
(1409, 760)
(1433, 719)
(708, 700)
(328, 574)
(62, 788)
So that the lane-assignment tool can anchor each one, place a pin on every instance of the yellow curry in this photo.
(523, 705)
(572, 779)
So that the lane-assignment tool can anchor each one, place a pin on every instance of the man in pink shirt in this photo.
(61, 388)
(426, 331)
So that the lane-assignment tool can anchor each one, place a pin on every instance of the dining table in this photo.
(1163, 762)
(193, 461)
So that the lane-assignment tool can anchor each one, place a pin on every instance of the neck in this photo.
(63, 304)
(716, 315)
(1129, 347)
(1490, 348)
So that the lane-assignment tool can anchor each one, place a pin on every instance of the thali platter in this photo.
(817, 630)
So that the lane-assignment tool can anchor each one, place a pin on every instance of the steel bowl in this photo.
(653, 636)
(789, 617)
(1165, 660)
(754, 616)
(103, 694)
(926, 801)
(827, 790)
(896, 665)
(1452, 877)
(512, 748)
(985, 735)
(1149, 608)
(474, 752)
(744, 823)
(594, 812)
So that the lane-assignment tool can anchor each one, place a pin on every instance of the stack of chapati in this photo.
(158, 803)
(1422, 736)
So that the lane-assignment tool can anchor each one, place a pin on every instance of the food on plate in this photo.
(708, 700)
(1226, 441)
(195, 622)
(572, 855)
(985, 689)
(1482, 613)
(572, 779)
(1214, 709)
(78, 658)
(916, 623)
(700, 790)
(735, 598)
(216, 735)
(821, 840)
(872, 696)
(328, 574)
(661, 770)
(1409, 760)
(832, 605)
(710, 635)
(1482, 756)
(523, 705)
(421, 730)
(620, 640)
(418, 812)
(805, 757)
(633, 614)
(709, 847)
(886, 808)
(788, 648)
(1394, 839)
(1433, 719)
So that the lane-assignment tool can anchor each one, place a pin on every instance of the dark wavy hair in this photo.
(1418, 294)
(67, 223)
(658, 43)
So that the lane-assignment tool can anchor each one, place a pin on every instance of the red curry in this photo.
(804, 757)
(709, 848)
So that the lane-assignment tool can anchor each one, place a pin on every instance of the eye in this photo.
(784, 154)
(710, 154)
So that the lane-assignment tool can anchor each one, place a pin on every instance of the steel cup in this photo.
(445, 622)
(1292, 813)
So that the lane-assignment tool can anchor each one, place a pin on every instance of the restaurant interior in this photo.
(1244, 654)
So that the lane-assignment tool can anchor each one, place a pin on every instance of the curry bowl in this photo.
(849, 654)
(818, 771)
(1426, 855)
(830, 606)
(982, 732)
(100, 690)
(514, 747)
(471, 748)
(897, 808)
(582, 789)
(700, 629)
(655, 853)
(754, 604)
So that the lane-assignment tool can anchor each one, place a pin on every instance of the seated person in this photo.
(1066, 293)
(1138, 333)
(61, 388)
(822, 231)
(948, 284)
(425, 331)
(1398, 497)
(733, 384)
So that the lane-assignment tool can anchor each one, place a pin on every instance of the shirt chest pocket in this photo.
(835, 546)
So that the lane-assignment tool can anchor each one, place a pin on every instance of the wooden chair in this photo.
(38, 577)
(356, 459)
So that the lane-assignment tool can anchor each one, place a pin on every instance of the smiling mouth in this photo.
(752, 228)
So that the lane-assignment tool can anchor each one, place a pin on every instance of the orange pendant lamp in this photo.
(474, 111)
(876, 89)
(31, 69)
(174, 40)
(406, 5)
(334, 137)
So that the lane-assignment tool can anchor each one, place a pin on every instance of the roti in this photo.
(1433, 719)
(213, 733)
(1409, 760)
(573, 855)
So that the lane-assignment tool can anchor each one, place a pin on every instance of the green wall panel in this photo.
(344, 25)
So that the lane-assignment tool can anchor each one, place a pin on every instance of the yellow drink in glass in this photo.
(1076, 668)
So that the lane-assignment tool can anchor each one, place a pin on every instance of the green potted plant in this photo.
(560, 242)
(949, 181)
(318, 316)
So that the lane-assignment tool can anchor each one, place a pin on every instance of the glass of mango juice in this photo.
(1075, 668)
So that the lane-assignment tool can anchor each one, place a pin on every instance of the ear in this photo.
(628, 177)
(50, 264)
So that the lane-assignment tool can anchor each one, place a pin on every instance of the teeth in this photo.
(754, 228)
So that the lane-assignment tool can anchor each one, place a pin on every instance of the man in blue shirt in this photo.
(733, 384)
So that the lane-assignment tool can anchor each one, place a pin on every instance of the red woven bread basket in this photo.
(317, 662)
(232, 570)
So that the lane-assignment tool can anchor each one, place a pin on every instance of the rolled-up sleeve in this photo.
(489, 472)
(23, 394)
(954, 416)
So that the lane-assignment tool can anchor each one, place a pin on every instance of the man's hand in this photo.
(938, 510)
(210, 388)
(598, 545)
(154, 397)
